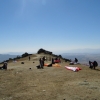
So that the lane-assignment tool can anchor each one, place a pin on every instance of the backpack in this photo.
(91, 64)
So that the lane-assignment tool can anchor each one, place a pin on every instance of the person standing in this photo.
(52, 60)
(76, 60)
(41, 63)
(95, 64)
(29, 58)
(43, 58)
(91, 64)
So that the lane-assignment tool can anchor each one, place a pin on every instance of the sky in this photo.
(55, 25)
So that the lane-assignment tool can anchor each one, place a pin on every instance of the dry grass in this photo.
(51, 83)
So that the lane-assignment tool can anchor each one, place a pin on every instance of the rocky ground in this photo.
(26, 82)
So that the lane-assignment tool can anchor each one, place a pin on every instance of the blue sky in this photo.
(55, 25)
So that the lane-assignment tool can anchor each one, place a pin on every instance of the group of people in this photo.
(41, 61)
(92, 65)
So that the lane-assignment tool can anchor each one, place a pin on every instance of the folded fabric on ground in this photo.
(86, 64)
(73, 63)
(75, 69)
(57, 61)
(48, 65)
(14, 61)
(56, 65)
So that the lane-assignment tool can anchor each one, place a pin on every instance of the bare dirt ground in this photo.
(51, 83)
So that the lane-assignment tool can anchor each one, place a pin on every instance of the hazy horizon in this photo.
(83, 58)
(74, 51)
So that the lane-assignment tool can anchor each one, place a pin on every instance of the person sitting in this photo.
(4, 66)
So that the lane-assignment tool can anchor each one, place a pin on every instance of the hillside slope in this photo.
(20, 82)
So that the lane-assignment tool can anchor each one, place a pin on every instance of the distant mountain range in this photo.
(82, 57)
(92, 51)
(4, 57)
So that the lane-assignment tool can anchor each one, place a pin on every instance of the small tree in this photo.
(25, 54)
(60, 56)
(10, 58)
(18, 57)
